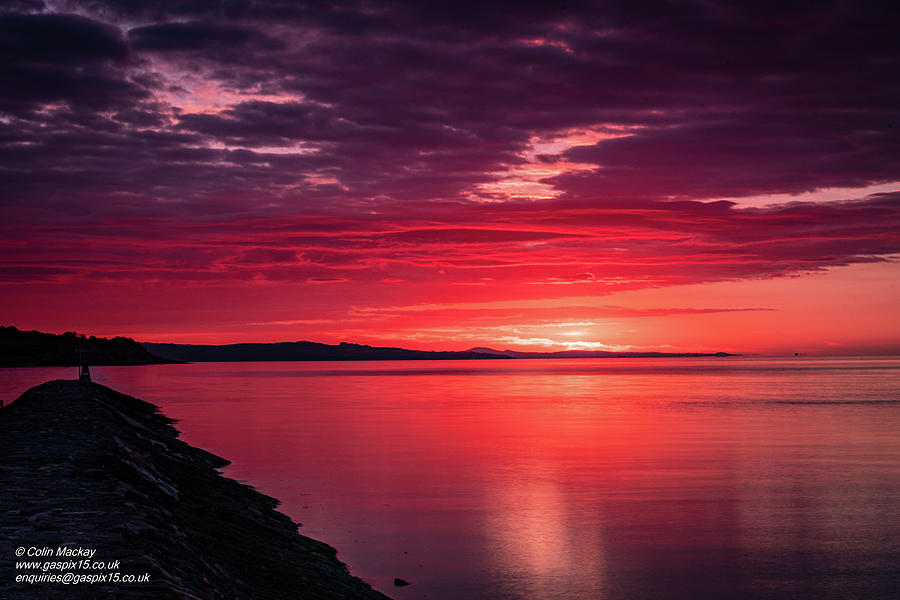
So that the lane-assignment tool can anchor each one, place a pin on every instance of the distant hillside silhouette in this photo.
(285, 351)
(33, 348)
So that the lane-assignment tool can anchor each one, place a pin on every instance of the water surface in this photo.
(570, 479)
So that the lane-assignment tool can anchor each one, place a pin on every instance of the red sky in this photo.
(681, 176)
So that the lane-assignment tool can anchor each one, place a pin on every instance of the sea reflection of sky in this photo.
(567, 479)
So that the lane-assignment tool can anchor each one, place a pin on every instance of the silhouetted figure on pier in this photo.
(84, 374)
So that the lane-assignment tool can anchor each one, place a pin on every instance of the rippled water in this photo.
(570, 479)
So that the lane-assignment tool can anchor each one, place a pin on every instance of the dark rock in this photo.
(400, 582)
(83, 465)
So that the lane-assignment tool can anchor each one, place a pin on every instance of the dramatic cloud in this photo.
(404, 101)
(489, 146)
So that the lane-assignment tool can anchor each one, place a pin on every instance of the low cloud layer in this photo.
(607, 246)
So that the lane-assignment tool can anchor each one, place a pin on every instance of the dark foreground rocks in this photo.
(83, 467)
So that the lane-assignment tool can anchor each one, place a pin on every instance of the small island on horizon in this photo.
(33, 348)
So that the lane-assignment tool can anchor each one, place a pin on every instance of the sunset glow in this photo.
(447, 179)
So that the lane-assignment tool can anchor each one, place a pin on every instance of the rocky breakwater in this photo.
(97, 488)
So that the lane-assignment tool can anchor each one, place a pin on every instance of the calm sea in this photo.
(730, 478)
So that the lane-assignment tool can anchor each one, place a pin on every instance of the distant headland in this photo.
(33, 348)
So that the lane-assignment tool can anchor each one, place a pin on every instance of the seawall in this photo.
(83, 467)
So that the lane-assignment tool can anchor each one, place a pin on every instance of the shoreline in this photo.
(85, 468)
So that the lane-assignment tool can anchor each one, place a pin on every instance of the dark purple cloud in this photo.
(207, 111)
(48, 58)
(69, 39)
(215, 39)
